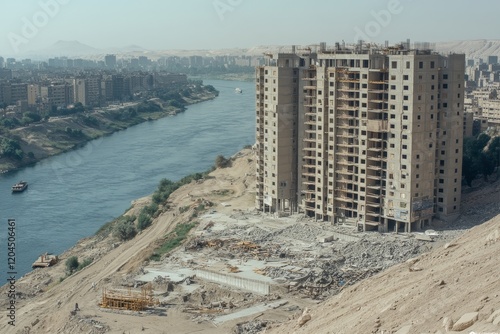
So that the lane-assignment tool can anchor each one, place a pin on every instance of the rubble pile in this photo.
(297, 259)
(380, 253)
(303, 232)
(251, 327)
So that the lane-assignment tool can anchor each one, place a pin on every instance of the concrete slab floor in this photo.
(248, 311)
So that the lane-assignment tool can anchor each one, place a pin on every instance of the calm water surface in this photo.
(71, 195)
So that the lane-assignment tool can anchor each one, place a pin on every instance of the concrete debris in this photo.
(304, 318)
(424, 237)
(465, 321)
(404, 330)
(447, 324)
(494, 317)
(252, 327)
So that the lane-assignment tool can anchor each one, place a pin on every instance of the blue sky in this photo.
(214, 24)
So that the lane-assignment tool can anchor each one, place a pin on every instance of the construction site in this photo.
(238, 265)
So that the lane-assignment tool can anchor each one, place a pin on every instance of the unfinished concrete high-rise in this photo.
(360, 135)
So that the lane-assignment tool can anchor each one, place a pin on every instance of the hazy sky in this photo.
(214, 24)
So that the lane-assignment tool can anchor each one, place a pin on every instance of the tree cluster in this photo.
(481, 157)
(11, 149)
(222, 162)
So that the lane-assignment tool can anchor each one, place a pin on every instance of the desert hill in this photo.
(427, 294)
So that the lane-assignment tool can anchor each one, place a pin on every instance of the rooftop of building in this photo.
(360, 48)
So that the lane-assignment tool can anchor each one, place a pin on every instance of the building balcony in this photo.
(374, 177)
(348, 89)
(344, 145)
(374, 214)
(346, 135)
(372, 195)
(374, 167)
(347, 98)
(349, 80)
(345, 171)
(377, 158)
(377, 90)
(347, 107)
(344, 199)
(377, 109)
(347, 127)
(375, 139)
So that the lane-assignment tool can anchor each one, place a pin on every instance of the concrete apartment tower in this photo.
(361, 136)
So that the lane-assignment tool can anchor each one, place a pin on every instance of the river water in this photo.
(71, 195)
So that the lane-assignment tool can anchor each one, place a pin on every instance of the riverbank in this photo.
(64, 133)
(247, 77)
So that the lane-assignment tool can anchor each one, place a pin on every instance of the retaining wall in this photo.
(234, 281)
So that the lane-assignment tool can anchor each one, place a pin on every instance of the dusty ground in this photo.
(388, 301)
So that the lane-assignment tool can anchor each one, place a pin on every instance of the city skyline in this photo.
(218, 24)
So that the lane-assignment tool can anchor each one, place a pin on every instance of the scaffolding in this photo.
(128, 299)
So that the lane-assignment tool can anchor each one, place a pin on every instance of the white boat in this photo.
(19, 187)
(238, 91)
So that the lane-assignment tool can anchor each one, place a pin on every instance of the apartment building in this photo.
(361, 136)
(11, 93)
(57, 94)
(33, 94)
(490, 110)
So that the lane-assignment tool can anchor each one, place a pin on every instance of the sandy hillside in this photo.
(421, 295)
(44, 304)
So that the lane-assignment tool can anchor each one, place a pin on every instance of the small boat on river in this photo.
(19, 187)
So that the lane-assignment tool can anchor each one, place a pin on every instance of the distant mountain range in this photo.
(473, 49)
(74, 49)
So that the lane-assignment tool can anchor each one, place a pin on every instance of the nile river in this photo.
(71, 195)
